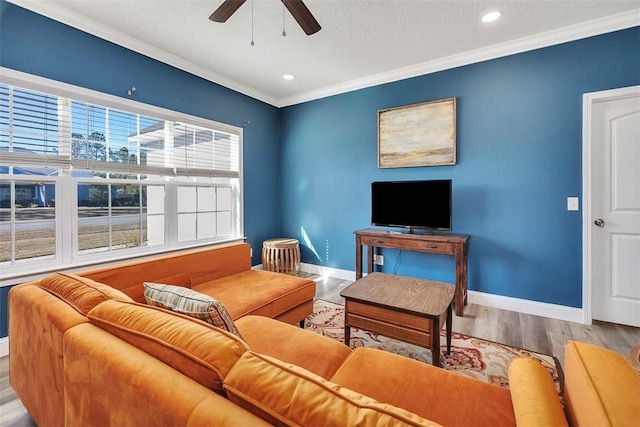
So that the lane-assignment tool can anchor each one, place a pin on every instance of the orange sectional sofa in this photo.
(92, 356)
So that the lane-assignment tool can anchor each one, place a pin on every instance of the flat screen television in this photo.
(412, 204)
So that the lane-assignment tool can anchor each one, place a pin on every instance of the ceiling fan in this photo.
(297, 8)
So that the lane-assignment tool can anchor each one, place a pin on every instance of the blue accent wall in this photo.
(519, 156)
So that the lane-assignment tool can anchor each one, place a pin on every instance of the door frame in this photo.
(588, 100)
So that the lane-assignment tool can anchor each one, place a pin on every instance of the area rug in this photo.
(477, 358)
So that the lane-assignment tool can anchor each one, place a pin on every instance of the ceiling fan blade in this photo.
(303, 16)
(225, 10)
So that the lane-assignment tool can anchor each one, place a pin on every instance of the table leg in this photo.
(435, 342)
(347, 335)
(461, 279)
(448, 327)
(465, 275)
(358, 257)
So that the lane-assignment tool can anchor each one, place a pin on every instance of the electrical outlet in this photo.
(378, 259)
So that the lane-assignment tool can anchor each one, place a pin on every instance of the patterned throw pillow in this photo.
(136, 292)
(191, 303)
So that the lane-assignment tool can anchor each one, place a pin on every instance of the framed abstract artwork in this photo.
(417, 135)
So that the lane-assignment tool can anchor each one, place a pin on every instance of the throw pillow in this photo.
(136, 292)
(79, 292)
(189, 302)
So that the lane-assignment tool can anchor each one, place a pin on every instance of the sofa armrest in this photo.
(533, 394)
(600, 387)
(111, 382)
(37, 322)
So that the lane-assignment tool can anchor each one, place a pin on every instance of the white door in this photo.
(612, 217)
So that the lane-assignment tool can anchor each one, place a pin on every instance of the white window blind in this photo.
(47, 130)
(29, 129)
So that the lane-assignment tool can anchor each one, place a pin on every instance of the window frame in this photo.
(67, 253)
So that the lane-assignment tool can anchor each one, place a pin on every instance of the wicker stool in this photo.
(281, 256)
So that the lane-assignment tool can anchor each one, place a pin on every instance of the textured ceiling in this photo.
(362, 42)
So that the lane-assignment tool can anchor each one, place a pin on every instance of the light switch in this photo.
(573, 204)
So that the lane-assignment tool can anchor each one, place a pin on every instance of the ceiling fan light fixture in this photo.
(491, 16)
(288, 77)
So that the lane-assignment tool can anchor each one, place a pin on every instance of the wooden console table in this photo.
(449, 244)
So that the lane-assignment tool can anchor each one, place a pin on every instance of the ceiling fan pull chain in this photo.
(252, 43)
(284, 32)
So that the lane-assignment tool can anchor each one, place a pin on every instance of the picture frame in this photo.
(417, 135)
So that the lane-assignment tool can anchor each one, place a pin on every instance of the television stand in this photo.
(448, 244)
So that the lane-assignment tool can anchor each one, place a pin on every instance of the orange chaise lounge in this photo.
(83, 353)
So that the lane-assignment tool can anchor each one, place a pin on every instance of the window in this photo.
(87, 177)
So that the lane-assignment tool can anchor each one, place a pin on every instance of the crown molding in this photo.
(575, 32)
(75, 20)
(563, 35)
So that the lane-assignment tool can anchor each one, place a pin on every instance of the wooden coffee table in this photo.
(403, 308)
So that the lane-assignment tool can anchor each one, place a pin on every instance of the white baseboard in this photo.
(321, 271)
(328, 271)
(4, 346)
(554, 311)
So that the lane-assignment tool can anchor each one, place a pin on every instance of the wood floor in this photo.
(535, 333)
(12, 413)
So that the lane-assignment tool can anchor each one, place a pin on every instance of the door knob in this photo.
(599, 222)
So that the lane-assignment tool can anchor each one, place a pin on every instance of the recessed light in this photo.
(288, 77)
(491, 16)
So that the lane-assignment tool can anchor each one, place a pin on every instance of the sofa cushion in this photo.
(137, 292)
(195, 348)
(600, 387)
(201, 264)
(534, 396)
(285, 394)
(306, 349)
(79, 292)
(391, 378)
(189, 302)
(259, 292)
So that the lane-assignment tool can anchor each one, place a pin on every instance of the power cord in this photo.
(395, 267)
